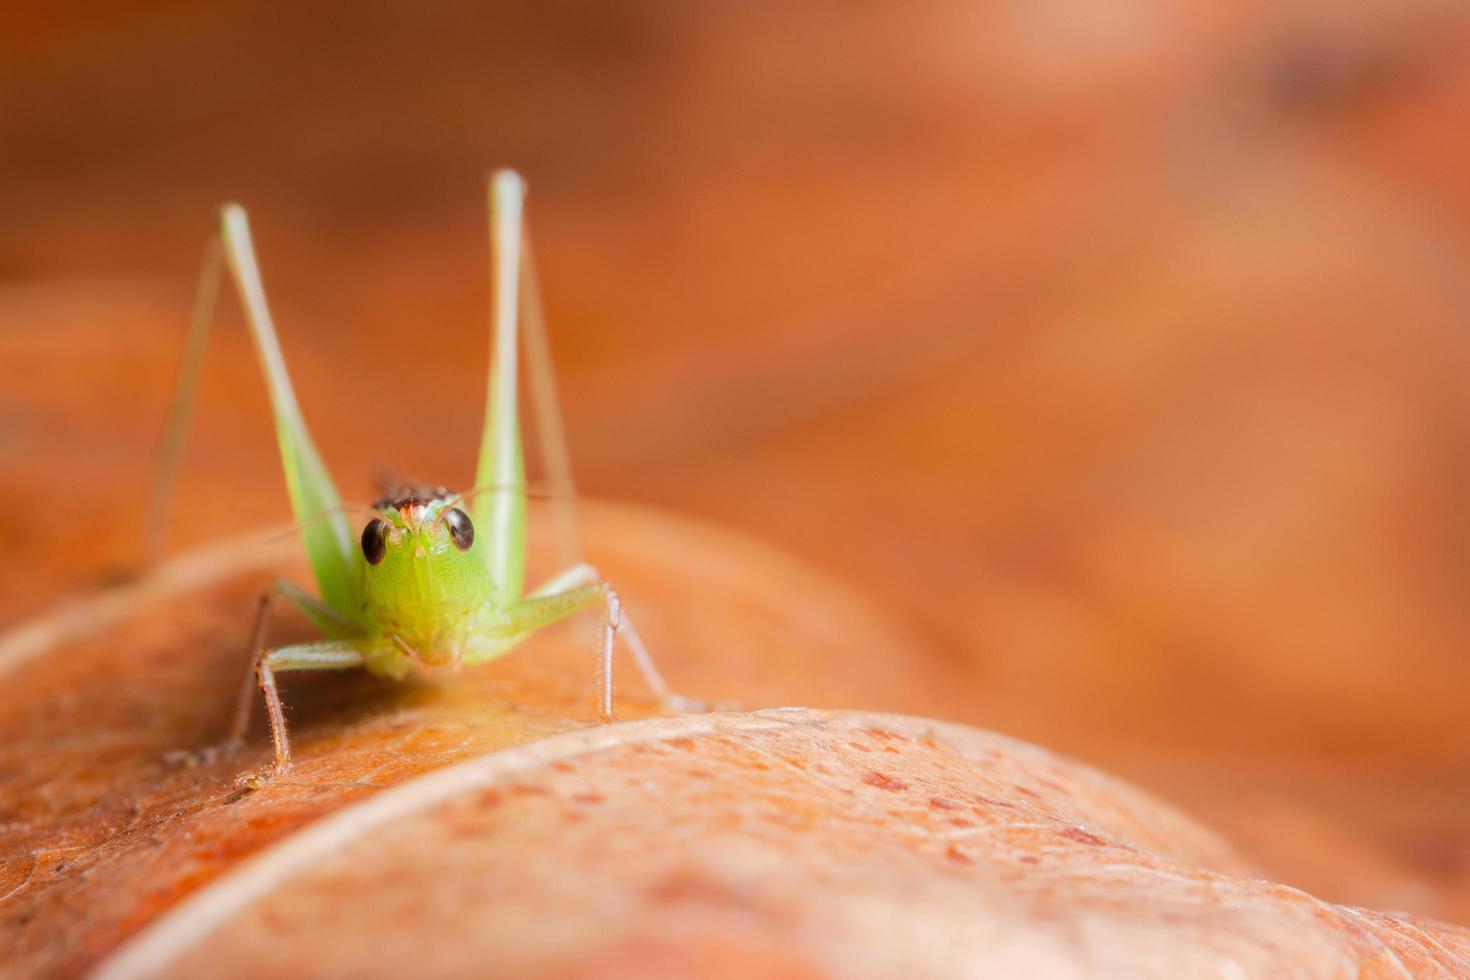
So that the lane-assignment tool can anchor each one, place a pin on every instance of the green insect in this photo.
(425, 584)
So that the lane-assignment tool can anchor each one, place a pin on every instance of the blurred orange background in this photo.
(1121, 350)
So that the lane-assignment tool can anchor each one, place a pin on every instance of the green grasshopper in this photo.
(425, 584)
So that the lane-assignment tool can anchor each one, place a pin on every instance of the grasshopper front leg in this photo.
(583, 574)
(565, 594)
(344, 652)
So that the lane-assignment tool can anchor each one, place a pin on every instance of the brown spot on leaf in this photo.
(1084, 836)
(882, 781)
(524, 789)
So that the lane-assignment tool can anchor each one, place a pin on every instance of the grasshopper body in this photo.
(434, 578)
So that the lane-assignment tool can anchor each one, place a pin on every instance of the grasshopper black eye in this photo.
(461, 531)
(375, 540)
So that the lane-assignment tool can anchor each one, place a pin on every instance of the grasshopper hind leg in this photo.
(518, 313)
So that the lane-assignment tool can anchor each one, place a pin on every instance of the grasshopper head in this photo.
(423, 526)
(423, 573)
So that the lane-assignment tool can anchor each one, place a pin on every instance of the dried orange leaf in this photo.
(479, 824)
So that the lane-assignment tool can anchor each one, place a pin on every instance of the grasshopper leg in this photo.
(546, 411)
(343, 652)
(583, 574)
(564, 594)
(517, 288)
(327, 619)
(322, 655)
(545, 607)
(183, 406)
